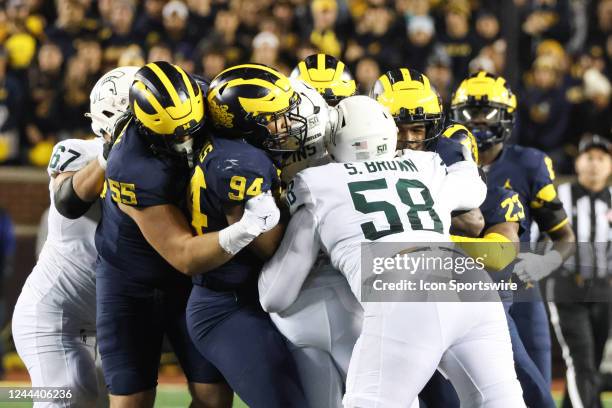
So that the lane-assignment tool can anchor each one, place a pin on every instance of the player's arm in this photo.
(265, 244)
(284, 274)
(75, 192)
(548, 213)
(497, 248)
(77, 180)
(467, 223)
(463, 188)
(166, 229)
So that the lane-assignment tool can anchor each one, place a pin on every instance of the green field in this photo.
(176, 396)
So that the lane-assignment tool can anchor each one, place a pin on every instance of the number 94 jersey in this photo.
(229, 172)
(407, 199)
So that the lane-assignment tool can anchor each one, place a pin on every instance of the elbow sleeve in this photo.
(67, 202)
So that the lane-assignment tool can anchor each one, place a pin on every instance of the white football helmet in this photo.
(314, 108)
(365, 130)
(109, 99)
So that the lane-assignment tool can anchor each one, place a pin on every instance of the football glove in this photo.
(533, 267)
(260, 215)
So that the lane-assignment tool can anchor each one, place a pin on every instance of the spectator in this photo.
(543, 19)
(596, 115)
(131, 56)
(411, 8)
(44, 94)
(105, 9)
(420, 44)
(89, 49)
(68, 26)
(160, 52)
(284, 14)
(458, 40)
(491, 58)
(148, 24)
(544, 110)
(487, 28)
(441, 76)
(21, 42)
(374, 35)
(120, 33)
(176, 31)
(600, 26)
(225, 36)
(323, 35)
(212, 62)
(75, 99)
(367, 72)
(265, 49)
(47, 41)
(11, 109)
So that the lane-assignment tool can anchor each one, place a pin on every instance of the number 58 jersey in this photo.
(407, 199)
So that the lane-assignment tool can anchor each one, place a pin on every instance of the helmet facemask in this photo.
(433, 127)
(179, 146)
(491, 123)
(284, 131)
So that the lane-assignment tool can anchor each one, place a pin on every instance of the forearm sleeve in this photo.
(67, 202)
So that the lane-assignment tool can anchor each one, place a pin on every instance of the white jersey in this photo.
(64, 274)
(316, 111)
(407, 199)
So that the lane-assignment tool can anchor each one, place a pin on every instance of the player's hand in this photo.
(533, 267)
(260, 214)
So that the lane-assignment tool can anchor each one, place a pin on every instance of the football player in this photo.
(418, 113)
(254, 120)
(144, 242)
(323, 323)
(394, 356)
(504, 220)
(329, 76)
(486, 105)
(54, 321)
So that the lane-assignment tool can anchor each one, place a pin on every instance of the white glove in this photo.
(534, 267)
(260, 215)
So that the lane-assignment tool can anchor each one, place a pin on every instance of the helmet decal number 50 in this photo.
(402, 188)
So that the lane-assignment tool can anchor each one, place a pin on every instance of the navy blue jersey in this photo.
(529, 172)
(502, 205)
(229, 172)
(450, 150)
(136, 176)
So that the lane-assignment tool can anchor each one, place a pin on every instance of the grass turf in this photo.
(176, 396)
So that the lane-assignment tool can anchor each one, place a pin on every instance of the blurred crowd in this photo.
(555, 53)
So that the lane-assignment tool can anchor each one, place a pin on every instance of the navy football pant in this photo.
(132, 318)
(238, 337)
(532, 325)
(439, 392)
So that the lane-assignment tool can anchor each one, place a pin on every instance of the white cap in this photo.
(596, 83)
(265, 38)
(421, 23)
(175, 6)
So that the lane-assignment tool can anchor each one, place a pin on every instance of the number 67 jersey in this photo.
(406, 199)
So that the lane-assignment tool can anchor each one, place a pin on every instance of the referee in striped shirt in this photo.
(581, 288)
